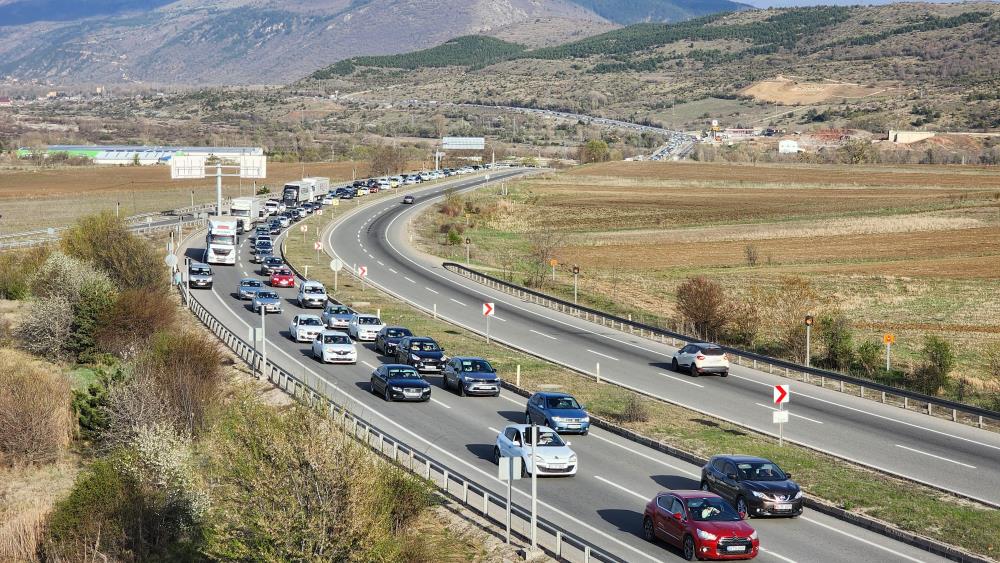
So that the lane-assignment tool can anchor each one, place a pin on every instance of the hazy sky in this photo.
(770, 3)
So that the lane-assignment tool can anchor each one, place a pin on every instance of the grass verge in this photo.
(913, 508)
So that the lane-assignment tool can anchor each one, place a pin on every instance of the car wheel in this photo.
(704, 486)
(461, 387)
(585, 432)
(725, 373)
(674, 366)
(371, 386)
(496, 455)
(387, 396)
(689, 551)
(524, 470)
(647, 529)
(693, 369)
(741, 507)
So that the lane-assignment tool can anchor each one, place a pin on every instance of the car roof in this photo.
(686, 494)
(331, 332)
(523, 427)
(553, 394)
(308, 316)
(199, 265)
(244, 280)
(705, 344)
(743, 458)
(470, 358)
(311, 283)
(396, 327)
(399, 366)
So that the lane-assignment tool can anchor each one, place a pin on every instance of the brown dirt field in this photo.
(786, 91)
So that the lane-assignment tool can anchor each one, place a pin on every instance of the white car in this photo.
(334, 347)
(305, 327)
(701, 357)
(364, 327)
(311, 294)
(554, 456)
(411, 180)
(327, 200)
(363, 191)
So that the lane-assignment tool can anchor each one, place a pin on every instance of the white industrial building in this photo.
(788, 146)
(148, 155)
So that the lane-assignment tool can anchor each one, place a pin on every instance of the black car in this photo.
(274, 227)
(270, 264)
(754, 485)
(358, 184)
(421, 352)
(395, 382)
(387, 339)
(471, 376)
(348, 194)
(261, 230)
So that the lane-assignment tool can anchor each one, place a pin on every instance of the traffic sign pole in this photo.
(888, 362)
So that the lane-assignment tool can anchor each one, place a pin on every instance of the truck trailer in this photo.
(246, 210)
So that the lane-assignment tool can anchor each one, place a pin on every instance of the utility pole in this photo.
(534, 491)
(218, 189)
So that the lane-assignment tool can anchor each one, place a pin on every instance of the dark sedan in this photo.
(387, 339)
(397, 382)
(471, 376)
(754, 485)
(420, 352)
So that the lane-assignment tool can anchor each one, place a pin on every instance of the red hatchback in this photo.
(702, 524)
(282, 277)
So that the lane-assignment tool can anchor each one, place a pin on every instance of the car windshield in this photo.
(545, 438)
(477, 366)
(760, 471)
(339, 310)
(336, 339)
(251, 283)
(313, 289)
(403, 373)
(430, 346)
(201, 271)
(711, 509)
(221, 239)
(283, 272)
(264, 245)
(398, 332)
(369, 321)
(267, 295)
(310, 321)
(562, 403)
(273, 261)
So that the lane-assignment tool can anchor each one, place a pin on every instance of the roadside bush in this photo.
(17, 270)
(838, 340)
(702, 302)
(454, 237)
(35, 416)
(46, 328)
(138, 504)
(125, 327)
(90, 404)
(105, 240)
(95, 298)
(744, 318)
(130, 405)
(936, 361)
(290, 486)
(65, 276)
(868, 360)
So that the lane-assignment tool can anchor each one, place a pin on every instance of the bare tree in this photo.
(541, 248)
(702, 302)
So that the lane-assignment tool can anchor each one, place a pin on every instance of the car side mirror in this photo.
(677, 516)
(517, 443)
(568, 444)
(788, 475)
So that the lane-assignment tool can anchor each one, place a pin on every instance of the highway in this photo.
(602, 503)
(939, 452)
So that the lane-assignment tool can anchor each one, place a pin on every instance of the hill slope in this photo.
(634, 11)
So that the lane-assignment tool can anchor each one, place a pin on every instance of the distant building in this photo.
(6, 102)
(788, 146)
(906, 137)
(144, 155)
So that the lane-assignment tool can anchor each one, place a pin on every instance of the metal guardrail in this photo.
(138, 229)
(970, 414)
(317, 393)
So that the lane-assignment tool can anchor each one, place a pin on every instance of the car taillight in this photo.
(700, 357)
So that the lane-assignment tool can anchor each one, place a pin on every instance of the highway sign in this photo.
(889, 338)
(304, 228)
(781, 394)
(319, 212)
(489, 310)
(170, 260)
(336, 264)
(362, 271)
(779, 417)
(509, 468)
(317, 246)
(553, 262)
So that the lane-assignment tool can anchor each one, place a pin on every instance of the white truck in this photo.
(295, 193)
(320, 184)
(246, 210)
(220, 243)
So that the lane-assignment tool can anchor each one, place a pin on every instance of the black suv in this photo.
(421, 352)
(387, 339)
(754, 485)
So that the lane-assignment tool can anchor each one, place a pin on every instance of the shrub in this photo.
(47, 327)
(131, 321)
(106, 241)
(751, 255)
(454, 237)
(35, 416)
(868, 360)
(17, 270)
(90, 404)
(936, 361)
(635, 409)
(744, 315)
(702, 302)
(835, 331)
(65, 276)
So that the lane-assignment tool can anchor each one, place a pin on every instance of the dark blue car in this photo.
(471, 376)
(559, 411)
(398, 382)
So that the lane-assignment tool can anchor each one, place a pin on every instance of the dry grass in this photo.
(26, 498)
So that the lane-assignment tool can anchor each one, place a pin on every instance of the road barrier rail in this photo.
(317, 393)
(955, 411)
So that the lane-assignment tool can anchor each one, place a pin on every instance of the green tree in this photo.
(837, 337)
(594, 150)
(936, 361)
(105, 241)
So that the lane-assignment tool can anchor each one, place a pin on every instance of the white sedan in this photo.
(554, 456)
(304, 328)
(334, 346)
(364, 327)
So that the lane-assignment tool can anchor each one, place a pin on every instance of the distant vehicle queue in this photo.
(705, 524)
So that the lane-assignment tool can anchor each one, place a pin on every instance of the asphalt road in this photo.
(602, 503)
(950, 455)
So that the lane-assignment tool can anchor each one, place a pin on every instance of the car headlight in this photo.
(585, 419)
(753, 536)
(758, 495)
(558, 418)
(572, 458)
(394, 388)
(798, 494)
(706, 535)
(415, 357)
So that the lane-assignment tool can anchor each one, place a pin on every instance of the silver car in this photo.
(249, 287)
(334, 346)
(266, 300)
(337, 316)
(200, 275)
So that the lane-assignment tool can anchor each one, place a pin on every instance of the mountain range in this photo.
(207, 42)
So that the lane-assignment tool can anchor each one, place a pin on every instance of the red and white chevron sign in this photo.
(780, 394)
(489, 310)
(362, 271)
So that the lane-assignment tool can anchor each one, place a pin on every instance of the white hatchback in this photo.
(304, 328)
(364, 327)
(553, 456)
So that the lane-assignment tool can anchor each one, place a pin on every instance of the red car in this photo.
(282, 278)
(702, 524)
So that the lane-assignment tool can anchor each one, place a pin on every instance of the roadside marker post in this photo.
(780, 416)
(489, 309)
(889, 339)
(336, 264)
(553, 263)
(317, 246)
(809, 325)
(576, 274)
(304, 229)
(263, 343)
(509, 470)
(362, 273)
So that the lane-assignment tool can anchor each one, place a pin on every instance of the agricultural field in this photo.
(909, 250)
(33, 198)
